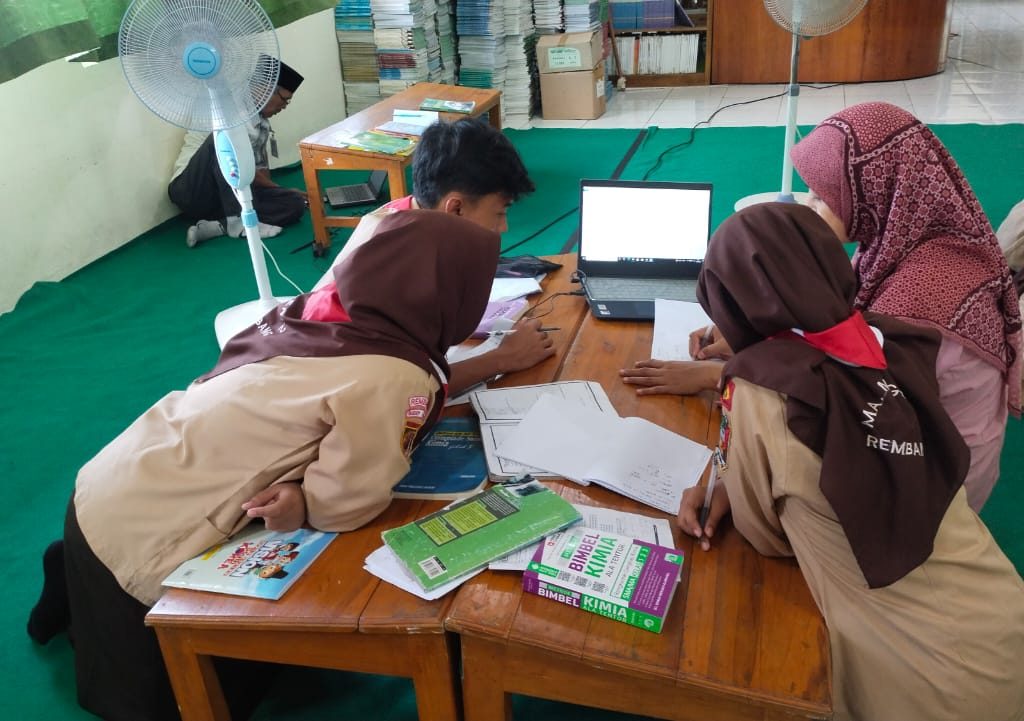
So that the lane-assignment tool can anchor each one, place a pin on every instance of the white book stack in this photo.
(548, 17)
(483, 60)
(582, 16)
(521, 91)
(658, 54)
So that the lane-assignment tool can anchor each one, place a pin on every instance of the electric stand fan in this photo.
(806, 18)
(209, 65)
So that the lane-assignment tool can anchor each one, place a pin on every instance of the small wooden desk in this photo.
(743, 638)
(319, 153)
(337, 615)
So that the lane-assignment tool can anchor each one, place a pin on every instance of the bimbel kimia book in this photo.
(611, 575)
(255, 562)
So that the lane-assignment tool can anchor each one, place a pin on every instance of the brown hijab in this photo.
(891, 458)
(420, 286)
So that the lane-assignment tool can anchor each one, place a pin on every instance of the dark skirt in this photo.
(118, 666)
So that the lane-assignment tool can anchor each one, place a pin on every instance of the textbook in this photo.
(373, 141)
(449, 463)
(448, 106)
(622, 578)
(255, 562)
(470, 533)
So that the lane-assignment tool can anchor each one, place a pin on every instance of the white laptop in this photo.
(640, 241)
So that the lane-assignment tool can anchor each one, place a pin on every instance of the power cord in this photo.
(533, 235)
(707, 121)
(278, 267)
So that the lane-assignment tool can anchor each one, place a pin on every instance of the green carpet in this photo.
(83, 357)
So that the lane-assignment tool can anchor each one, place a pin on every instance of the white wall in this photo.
(85, 164)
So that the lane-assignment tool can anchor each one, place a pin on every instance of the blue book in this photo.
(448, 464)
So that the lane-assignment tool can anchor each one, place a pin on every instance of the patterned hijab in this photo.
(780, 289)
(926, 252)
(419, 287)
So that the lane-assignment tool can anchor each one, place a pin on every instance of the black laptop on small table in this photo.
(639, 241)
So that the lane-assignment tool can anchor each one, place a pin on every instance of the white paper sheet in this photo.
(674, 320)
(463, 352)
(384, 564)
(632, 456)
(509, 288)
(645, 528)
(500, 409)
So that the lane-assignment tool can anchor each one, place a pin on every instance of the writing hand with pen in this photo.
(702, 507)
(707, 343)
(654, 376)
(524, 345)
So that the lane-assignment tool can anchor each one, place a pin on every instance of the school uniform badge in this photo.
(724, 430)
(415, 416)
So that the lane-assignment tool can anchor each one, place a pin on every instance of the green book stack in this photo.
(469, 534)
(374, 141)
(448, 106)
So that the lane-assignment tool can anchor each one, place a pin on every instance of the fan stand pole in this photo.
(786, 194)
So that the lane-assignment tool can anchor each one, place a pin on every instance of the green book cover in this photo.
(471, 533)
(448, 106)
(377, 142)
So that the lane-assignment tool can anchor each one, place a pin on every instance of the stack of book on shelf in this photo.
(255, 562)
(435, 554)
(445, 22)
(521, 92)
(405, 34)
(353, 24)
(658, 54)
(483, 59)
(548, 16)
(582, 16)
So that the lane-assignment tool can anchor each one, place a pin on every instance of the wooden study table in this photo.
(319, 151)
(743, 638)
(337, 615)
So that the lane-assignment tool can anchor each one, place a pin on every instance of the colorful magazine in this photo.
(448, 464)
(448, 106)
(611, 575)
(255, 562)
(471, 533)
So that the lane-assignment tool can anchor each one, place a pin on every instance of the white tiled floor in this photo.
(983, 83)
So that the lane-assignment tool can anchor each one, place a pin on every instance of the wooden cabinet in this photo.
(701, 13)
(888, 40)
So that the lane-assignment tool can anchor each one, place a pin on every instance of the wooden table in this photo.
(336, 615)
(743, 638)
(319, 152)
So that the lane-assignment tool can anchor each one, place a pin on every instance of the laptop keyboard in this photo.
(642, 288)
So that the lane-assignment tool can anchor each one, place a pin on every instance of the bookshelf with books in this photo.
(662, 43)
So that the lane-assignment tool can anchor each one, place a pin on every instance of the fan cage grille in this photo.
(813, 17)
(152, 42)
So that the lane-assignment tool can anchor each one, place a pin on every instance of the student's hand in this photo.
(282, 506)
(689, 512)
(525, 348)
(681, 378)
(714, 347)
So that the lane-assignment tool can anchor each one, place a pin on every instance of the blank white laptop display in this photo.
(640, 241)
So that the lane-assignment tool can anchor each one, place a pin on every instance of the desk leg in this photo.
(483, 692)
(321, 238)
(494, 115)
(193, 678)
(396, 181)
(436, 679)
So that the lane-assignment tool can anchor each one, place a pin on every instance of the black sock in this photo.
(52, 612)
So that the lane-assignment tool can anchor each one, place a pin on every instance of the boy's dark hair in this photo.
(468, 156)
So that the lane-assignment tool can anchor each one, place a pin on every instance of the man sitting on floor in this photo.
(465, 168)
(198, 188)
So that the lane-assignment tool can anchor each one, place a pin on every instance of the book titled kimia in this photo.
(618, 577)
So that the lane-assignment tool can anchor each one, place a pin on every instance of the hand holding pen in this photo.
(510, 331)
(703, 507)
(707, 343)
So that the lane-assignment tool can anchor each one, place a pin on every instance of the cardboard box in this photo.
(569, 52)
(573, 96)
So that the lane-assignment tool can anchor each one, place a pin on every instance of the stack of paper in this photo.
(582, 16)
(632, 456)
(547, 16)
(443, 549)
(500, 411)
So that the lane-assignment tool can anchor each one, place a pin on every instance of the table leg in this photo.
(436, 681)
(483, 693)
(193, 678)
(396, 181)
(494, 115)
(321, 238)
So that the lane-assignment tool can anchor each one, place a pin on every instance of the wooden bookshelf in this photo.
(703, 19)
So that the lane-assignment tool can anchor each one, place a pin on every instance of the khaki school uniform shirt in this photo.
(172, 484)
(945, 642)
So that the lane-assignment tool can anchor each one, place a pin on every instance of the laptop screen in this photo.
(645, 229)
